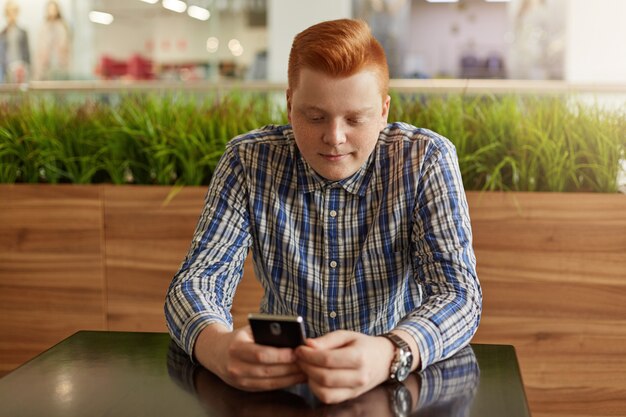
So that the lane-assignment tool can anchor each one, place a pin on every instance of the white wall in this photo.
(440, 33)
(122, 38)
(175, 38)
(235, 26)
(596, 41)
(287, 18)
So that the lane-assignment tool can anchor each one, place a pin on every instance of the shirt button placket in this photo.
(334, 255)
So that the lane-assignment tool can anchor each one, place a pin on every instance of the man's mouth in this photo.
(334, 157)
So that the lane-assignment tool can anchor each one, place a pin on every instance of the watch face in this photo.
(403, 372)
(404, 365)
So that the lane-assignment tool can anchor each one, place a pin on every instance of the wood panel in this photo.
(51, 275)
(553, 271)
(148, 233)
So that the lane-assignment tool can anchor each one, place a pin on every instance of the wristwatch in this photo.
(400, 399)
(403, 359)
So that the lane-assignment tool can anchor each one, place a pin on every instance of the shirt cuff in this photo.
(194, 325)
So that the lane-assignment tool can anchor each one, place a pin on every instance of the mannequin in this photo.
(53, 46)
(14, 52)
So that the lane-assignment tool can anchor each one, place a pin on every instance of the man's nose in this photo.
(335, 133)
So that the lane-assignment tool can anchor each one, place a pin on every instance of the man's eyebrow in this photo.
(362, 110)
(312, 108)
(358, 111)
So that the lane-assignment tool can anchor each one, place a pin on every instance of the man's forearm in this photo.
(447, 319)
(209, 346)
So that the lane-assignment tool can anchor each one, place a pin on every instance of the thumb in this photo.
(332, 340)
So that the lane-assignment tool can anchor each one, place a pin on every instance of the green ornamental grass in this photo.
(524, 143)
(510, 142)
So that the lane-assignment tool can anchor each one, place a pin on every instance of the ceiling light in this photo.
(198, 12)
(101, 18)
(442, 1)
(235, 47)
(498, 1)
(212, 44)
(150, 1)
(177, 6)
(234, 44)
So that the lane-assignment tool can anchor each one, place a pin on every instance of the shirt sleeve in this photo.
(202, 291)
(443, 259)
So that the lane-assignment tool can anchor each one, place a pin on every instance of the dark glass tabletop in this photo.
(146, 374)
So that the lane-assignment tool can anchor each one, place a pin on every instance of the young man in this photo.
(359, 226)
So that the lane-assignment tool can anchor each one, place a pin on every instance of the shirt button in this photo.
(332, 314)
(333, 264)
(333, 213)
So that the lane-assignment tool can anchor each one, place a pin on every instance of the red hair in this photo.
(338, 48)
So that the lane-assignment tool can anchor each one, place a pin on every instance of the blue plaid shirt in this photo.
(389, 247)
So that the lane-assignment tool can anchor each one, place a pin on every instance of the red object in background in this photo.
(136, 68)
(111, 69)
(140, 68)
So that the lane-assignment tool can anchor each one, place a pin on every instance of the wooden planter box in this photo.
(552, 267)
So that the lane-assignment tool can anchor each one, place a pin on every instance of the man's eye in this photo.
(316, 118)
(355, 121)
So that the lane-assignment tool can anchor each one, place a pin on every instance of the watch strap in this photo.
(403, 358)
(397, 341)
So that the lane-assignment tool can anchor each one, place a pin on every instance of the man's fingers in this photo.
(332, 340)
(258, 354)
(342, 358)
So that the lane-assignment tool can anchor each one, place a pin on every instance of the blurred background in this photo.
(570, 40)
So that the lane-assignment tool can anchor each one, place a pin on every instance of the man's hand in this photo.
(342, 365)
(241, 363)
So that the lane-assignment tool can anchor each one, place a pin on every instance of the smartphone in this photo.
(278, 331)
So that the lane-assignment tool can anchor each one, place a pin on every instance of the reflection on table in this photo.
(101, 373)
(446, 389)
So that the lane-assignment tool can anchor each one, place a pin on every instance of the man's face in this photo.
(337, 121)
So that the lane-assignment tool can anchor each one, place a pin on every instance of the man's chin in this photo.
(336, 174)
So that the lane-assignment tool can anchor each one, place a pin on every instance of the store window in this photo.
(214, 40)
(189, 40)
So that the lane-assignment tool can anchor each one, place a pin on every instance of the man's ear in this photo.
(288, 95)
(385, 113)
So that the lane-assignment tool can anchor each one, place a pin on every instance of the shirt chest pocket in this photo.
(385, 259)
